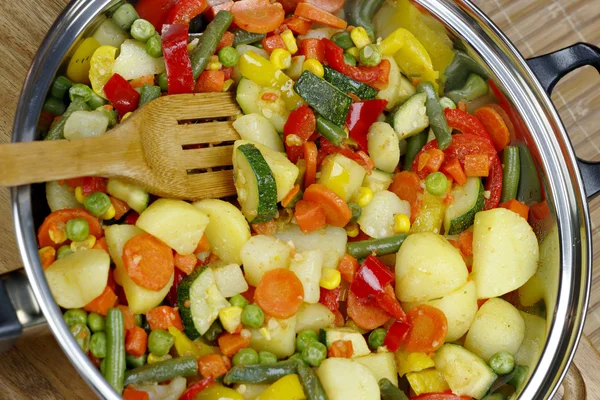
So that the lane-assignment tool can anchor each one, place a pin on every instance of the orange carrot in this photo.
(148, 261)
(382, 80)
(539, 211)
(407, 186)
(132, 394)
(341, 348)
(121, 207)
(136, 342)
(266, 228)
(495, 125)
(226, 40)
(310, 156)
(336, 210)
(128, 317)
(477, 165)
(290, 196)
(348, 266)
(428, 328)
(338, 319)
(279, 293)
(186, 263)
(295, 24)
(316, 14)
(55, 225)
(430, 161)
(101, 245)
(257, 16)
(203, 245)
(47, 256)
(516, 206)
(465, 243)
(455, 170)
(210, 81)
(102, 303)
(142, 80)
(214, 365)
(163, 317)
(365, 315)
(310, 216)
(232, 343)
(331, 6)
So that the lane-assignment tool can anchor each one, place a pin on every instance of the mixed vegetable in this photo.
(380, 237)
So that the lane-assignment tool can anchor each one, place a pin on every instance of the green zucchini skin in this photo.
(245, 37)
(183, 299)
(349, 85)
(463, 221)
(326, 99)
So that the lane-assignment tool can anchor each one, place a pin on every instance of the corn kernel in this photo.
(264, 331)
(84, 244)
(227, 84)
(352, 229)
(231, 318)
(360, 37)
(126, 115)
(58, 233)
(290, 41)
(401, 223)
(214, 66)
(354, 52)
(313, 66)
(281, 59)
(153, 358)
(79, 194)
(363, 196)
(293, 140)
(110, 213)
(330, 278)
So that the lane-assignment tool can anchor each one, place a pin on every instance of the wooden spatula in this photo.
(176, 146)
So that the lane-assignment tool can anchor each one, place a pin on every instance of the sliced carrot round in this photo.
(365, 315)
(331, 6)
(495, 125)
(58, 220)
(310, 157)
(148, 261)
(310, 216)
(279, 293)
(257, 16)
(336, 210)
(428, 329)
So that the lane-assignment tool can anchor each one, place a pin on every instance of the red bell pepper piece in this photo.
(360, 157)
(395, 335)
(185, 10)
(335, 59)
(131, 218)
(155, 11)
(361, 116)
(388, 302)
(301, 123)
(465, 122)
(192, 391)
(121, 94)
(91, 184)
(177, 59)
(384, 76)
(172, 295)
(330, 298)
(273, 42)
(313, 48)
(372, 278)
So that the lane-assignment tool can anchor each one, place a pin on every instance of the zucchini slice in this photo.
(133, 195)
(255, 184)
(411, 117)
(468, 201)
(326, 99)
(349, 85)
(249, 97)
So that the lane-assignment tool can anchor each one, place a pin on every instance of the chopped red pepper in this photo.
(91, 184)
(371, 278)
(155, 11)
(330, 298)
(172, 295)
(313, 48)
(121, 94)
(465, 122)
(395, 335)
(361, 116)
(360, 157)
(180, 78)
(335, 59)
(273, 42)
(185, 10)
(382, 81)
(301, 123)
(388, 302)
(192, 391)
(131, 218)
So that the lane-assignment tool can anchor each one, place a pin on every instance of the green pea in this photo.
(96, 101)
(304, 338)
(376, 338)
(343, 40)
(96, 322)
(80, 90)
(97, 203)
(135, 362)
(436, 183)
(82, 335)
(154, 46)
(502, 362)
(518, 379)
(98, 345)
(110, 114)
(314, 353)
(214, 331)
(125, 16)
(349, 59)
(142, 30)
(370, 55)
(54, 106)
(63, 251)
(228, 56)
(266, 357)
(247, 356)
(75, 316)
(298, 358)
(356, 211)
(160, 342)
(162, 82)
(78, 229)
(239, 301)
(253, 316)
(139, 320)
(60, 86)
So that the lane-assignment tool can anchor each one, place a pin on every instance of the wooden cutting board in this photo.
(36, 367)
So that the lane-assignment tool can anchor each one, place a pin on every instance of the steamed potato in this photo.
(282, 342)
(346, 379)
(263, 253)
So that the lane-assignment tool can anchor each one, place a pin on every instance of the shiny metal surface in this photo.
(568, 265)
(23, 299)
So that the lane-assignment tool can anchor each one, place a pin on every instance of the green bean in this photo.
(370, 55)
(149, 93)
(142, 30)
(311, 383)
(245, 37)
(330, 131)
(209, 41)
(253, 316)
(260, 373)
(96, 101)
(56, 131)
(437, 120)
(125, 16)
(474, 88)
(54, 106)
(110, 114)
(445, 102)
(314, 353)
(135, 362)
(81, 90)
(436, 183)
(160, 342)
(356, 211)
(60, 87)
(349, 59)
(162, 82)
(363, 248)
(529, 183)
(297, 357)
(361, 13)
(414, 144)
(78, 229)
(389, 391)
(82, 335)
(343, 40)
(247, 356)
(96, 322)
(305, 338)
(75, 316)
(519, 376)
(239, 301)
(115, 349)
(459, 70)
(162, 371)
(266, 357)
(502, 362)
(511, 173)
(98, 345)
(376, 338)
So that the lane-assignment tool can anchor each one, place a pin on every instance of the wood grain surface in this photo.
(36, 367)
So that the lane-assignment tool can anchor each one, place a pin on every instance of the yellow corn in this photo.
(330, 278)
(126, 115)
(352, 229)
(153, 358)
(281, 59)
(110, 213)
(227, 84)
(58, 233)
(231, 318)
(214, 66)
(264, 331)
(84, 244)
(79, 194)
(290, 41)
(401, 223)
(354, 52)
(293, 140)
(313, 66)
(360, 37)
(363, 196)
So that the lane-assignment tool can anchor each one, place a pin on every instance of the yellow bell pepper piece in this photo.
(218, 392)
(431, 215)
(101, 68)
(185, 347)
(412, 362)
(287, 388)
(427, 381)
(78, 68)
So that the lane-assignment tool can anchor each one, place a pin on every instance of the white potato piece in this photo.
(346, 379)
(377, 181)
(134, 62)
(85, 124)
(178, 224)
(381, 365)
(251, 391)
(256, 128)
(313, 316)
(377, 217)
(330, 240)
(533, 342)
(282, 340)
(264, 253)
(61, 196)
(227, 229)
(230, 280)
(359, 343)
(384, 146)
(78, 278)
(172, 391)
(505, 252)
(307, 266)
(342, 175)
(498, 326)
(428, 267)
(459, 307)
(390, 93)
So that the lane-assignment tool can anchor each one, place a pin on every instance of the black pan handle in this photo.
(550, 69)
(10, 326)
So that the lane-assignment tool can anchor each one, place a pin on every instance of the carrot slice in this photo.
(102, 303)
(518, 207)
(232, 343)
(316, 14)
(310, 216)
(407, 186)
(128, 317)
(186, 263)
(203, 245)
(348, 266)
(57, 221)
(465, 243)
(477, 165)
(142, 80)
(336, 210)
(310, 156)
(47, 256)
(213, 365)
(148, 261)
(136, 342)
(132, 394)
(341, 348)
(210, 81)
(364, 314)
(455, 170)
(279, 293)
(257, 16)
(428, 328)
(289, 197)
(163, 317)
(331, 6)
(495, 125)
(121, 207)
